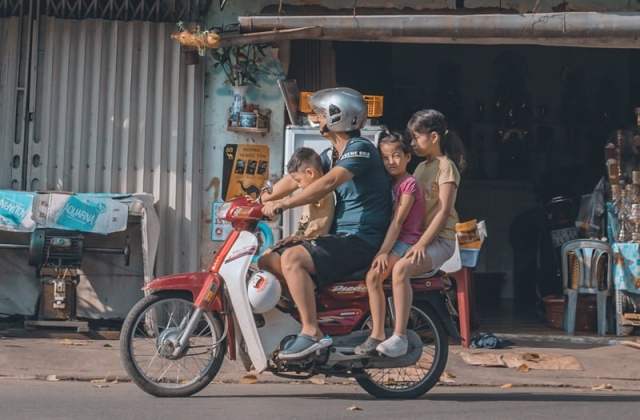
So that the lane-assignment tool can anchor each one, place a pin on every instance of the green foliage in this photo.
(243, 64)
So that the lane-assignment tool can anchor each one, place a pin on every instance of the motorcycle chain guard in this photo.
(348, 342)
(340, 356)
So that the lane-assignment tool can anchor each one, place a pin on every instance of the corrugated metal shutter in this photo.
(10, 170)
(118, 110)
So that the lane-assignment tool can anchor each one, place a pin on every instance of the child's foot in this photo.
(394, 346)
(368, 347)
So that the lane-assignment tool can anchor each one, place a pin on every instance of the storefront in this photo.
(535, 99)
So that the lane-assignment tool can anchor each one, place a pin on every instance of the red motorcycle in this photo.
(174, 340)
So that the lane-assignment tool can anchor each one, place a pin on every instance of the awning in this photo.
(576, 29)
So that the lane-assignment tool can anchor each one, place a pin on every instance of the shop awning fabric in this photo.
(576, 29)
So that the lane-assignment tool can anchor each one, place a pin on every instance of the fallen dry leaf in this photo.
(249, 379)
(107, 345)
(507, 386)
(531, 357)
(52, 378)
(541, 361)
(354, 408)
(601, 387)
(317, 381)
(67, 342)
(523, 368)
(482, 359)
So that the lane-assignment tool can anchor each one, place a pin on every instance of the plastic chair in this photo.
(588, 253)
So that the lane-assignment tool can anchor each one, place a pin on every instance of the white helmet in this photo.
(343, 108)
(264, 291)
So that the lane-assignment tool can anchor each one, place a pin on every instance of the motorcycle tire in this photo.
(139, 378)
(433, 376)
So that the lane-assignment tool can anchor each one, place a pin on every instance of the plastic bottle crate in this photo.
(469, 257)
(375, 104)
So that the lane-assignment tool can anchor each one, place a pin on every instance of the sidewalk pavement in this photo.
(614, 367)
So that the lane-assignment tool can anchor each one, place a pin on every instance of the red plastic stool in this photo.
(464, 288)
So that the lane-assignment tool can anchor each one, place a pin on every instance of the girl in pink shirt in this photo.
(404, 231)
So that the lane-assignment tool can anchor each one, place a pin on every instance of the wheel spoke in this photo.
(161, 368)
(153, 359)
(401, 379)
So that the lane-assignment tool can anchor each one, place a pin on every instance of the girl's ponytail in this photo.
(429, 120)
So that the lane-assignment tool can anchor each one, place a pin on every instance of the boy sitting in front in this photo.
(305, 166)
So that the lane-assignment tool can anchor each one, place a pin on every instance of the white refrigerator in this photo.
(306, 136)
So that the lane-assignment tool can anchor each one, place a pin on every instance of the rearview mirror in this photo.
(267, 187)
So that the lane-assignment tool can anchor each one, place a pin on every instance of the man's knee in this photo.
(294, 257)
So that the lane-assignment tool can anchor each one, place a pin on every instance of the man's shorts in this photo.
(336, 257)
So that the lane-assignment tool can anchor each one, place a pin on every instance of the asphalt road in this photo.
(34, 400)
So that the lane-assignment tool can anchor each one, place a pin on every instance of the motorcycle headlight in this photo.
(223, 210)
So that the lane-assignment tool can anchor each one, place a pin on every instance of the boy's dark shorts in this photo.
(336, 257)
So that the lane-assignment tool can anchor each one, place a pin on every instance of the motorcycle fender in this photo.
(188, 282)
(234, 271)
(437, 303)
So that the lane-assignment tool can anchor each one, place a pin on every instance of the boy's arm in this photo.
(314, 192)
(285, 186)
(321, 224)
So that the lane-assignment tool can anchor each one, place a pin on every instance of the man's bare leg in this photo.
(297, 267)
(272, 262)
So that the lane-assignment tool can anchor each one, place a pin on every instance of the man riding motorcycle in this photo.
(354, 170)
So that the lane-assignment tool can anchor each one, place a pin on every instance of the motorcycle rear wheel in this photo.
(145, 330)
(412, 381)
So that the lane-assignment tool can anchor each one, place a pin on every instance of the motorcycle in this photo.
(173, 341)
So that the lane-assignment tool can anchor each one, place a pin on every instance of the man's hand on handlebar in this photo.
(273, 208)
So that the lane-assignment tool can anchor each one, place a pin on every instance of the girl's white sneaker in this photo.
(394, 346)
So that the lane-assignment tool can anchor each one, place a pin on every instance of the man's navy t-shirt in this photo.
(363, 204)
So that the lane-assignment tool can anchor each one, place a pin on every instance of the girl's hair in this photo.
(394, 137)
(429, 120)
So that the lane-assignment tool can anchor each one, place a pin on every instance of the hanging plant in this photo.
(202, 40)
(243, 64)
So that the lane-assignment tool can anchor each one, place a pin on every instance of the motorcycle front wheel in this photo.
(411, 381)
(146, 346)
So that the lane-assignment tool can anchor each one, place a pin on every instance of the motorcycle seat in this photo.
(436, 272)
(361, 274)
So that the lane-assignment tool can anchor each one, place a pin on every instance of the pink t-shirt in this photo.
(413, 225)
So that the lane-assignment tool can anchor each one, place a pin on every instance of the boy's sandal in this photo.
(303, 346)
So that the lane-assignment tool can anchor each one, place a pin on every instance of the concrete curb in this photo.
(562, 339)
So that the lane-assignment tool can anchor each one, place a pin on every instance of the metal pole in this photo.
(619, 30)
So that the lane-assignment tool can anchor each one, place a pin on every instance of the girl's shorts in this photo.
(439, 251)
